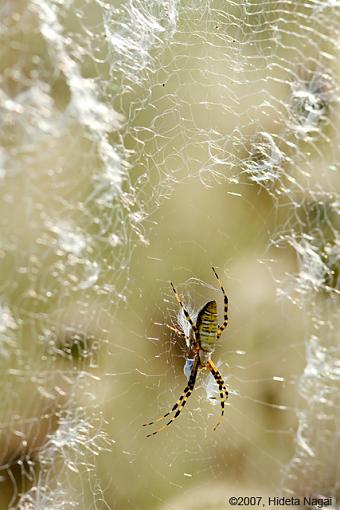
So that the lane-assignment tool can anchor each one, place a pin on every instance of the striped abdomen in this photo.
(207, 326)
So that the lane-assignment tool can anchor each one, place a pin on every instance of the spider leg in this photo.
(221, 386)
(180, 333)
(186, 313)
(178, 407)
(222, 327)
(187, 339)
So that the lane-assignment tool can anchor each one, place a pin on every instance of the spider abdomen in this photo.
(207, 326)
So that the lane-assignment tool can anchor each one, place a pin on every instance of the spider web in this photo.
(145, 141)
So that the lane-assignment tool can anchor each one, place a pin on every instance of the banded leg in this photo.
(222, 327)
(221, 386)
(180, 402)
(179, 333)
(186, 313)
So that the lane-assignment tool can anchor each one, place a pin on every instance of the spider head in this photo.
(204, 358)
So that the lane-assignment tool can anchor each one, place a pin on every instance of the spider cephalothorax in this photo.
(201, 342)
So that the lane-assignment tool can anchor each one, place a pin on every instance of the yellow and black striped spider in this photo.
(201, 341)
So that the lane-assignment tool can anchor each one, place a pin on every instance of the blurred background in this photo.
(143, 142)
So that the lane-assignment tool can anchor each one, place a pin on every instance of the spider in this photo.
(201, 342)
